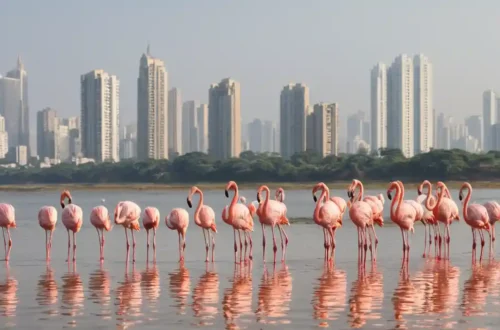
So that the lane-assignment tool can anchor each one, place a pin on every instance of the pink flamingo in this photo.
(7, 221)
(402, 214)
(445, 210)
(280, 197)
(247, 233)
(178, 219)
(328, 215)
(127, 214)
(72, 219)
(377, 205)
(493, 209)
(429, 214)
(204, 216)
(476, 216)
(47, 218)
(271, 213)
(427, 220)
(239, 216)
(151, 221)
(99, 217)
(361, 214)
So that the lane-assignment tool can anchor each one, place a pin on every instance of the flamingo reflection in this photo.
(8, 294)
(442, 296)
(237, 299)
(275, 294)
(47, 291)
(206, 298)
(100, 291)
(483, 281)
(72, 293)
(150, 282)
(180, 286)
(330, 295)
(367, 295)
(129, 298)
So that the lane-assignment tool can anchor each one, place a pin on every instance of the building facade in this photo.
(378, 104)
(294, 108)
(174, 121)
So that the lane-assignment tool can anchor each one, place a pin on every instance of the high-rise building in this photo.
(100, 93)
(14, 105)
(355, 130)
(47, 133)
(444, 132)
(378, 82)
(21, 155)
(202, 117)
(128, 141)
(269, 136)
(475, 128)
(152, 106)
(423, 104)
(4, 139)
(255, 135)
(294, 108)
(322, 126)
(63, 143)
(490, 117)
(174, 121)
(400, 101)
(224, 119)
(190, 126)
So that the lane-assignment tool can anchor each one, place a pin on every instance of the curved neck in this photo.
(428, 204)
(266, 189)
(324, 194)
(466, 201)
(233, 201)
(439, 197)
(396, 201)
(361, 191)
(198, 208)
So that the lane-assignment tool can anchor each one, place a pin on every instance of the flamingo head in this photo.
(261, 188)
(318, 186)
(118, 210)
(231, 185)
(393, 185)
(65, 194)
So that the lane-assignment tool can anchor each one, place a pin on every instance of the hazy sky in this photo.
(264, 44)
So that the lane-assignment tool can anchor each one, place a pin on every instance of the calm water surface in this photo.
(302, 294)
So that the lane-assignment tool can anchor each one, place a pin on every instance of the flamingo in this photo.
(429, 214)
(72, 219)
(247, 233)
(151, 221)
(204, 216)
(127, 214)
(402, 214)
(178, 219)
(47, 218)
(280, 197)
(328, 215)
(476, 216)
(99, 217)
(239, 216)
(271, 213)
(7, 221)
(493, 209)
(377, 205)
(361, 214)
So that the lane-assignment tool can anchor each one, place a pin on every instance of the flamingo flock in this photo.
(364, 211)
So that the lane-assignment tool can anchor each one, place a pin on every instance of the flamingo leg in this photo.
(235, 246)
(473, 245)
(46, 245)
(282, 243)
(370, 241)
(206, 244)
(102, 244)
(263, 243)
(246, 245)
(133, 245)
(448, 239)
(147, 246)
(69, 245)
(431, 228)
(359, 245)
(439, 240)
(127, 244)
(154, 245)
(425, 238)
(241, 247)
(332, 233)
(407, 245)
(180, 247)
(365, 244)
(10, 244)
(286, 241)
(213, 244)
(376, 242)
(74, 246)
(275, 247)
(326, 243)
(404, 243)
(250, 256)
(50, 242)
(481, 235)
(4, 241)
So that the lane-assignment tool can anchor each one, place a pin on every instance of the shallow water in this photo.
(302, 294)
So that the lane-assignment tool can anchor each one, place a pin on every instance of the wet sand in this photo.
(304, 293)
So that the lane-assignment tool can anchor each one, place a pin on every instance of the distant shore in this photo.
(219, 185)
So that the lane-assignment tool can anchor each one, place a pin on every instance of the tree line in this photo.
(388, 164)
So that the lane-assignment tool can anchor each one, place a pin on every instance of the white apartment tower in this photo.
(224, 119)
(152, 106)
(100, 110)
(490, 117)
(294, 108)
(202, 117)
(400, 109)
(174, 121)
(378, 100)
(189, 126)
(47, 134)
(323, 128)
(423, 104)
(4, 139)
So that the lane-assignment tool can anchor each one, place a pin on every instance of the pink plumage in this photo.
(7, 221)
(204, 217)
(99, 218)
(72, 219)
(47, 218)
(178, 219)
(127, 214)
(151, 221)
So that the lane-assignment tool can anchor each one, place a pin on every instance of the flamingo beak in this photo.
(226, 193)
(419, 192)
(315, 198)
(62, 204)
(389, 196)
(69, 200)
(460, 197)
(189, 203)
(258, 198)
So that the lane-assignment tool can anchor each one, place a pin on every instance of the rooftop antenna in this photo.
(148, 52)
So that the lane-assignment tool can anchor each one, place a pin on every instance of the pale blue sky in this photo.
(264, 44)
